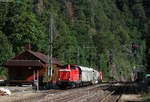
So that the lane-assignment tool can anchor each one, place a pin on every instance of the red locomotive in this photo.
(75, 76)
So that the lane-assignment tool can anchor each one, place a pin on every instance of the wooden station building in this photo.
(31, 67)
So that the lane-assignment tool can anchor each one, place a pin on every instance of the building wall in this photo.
(26, 74)
(19, 73)
(55, 73)
(22, 73)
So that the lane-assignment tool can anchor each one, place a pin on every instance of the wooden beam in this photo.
(37, 80)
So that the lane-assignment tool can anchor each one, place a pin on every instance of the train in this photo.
(76, 76)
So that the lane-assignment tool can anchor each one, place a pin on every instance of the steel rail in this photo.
(107, 96)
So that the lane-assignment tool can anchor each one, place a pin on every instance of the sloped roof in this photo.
(24, 63)
(39, 56)
(43, 57)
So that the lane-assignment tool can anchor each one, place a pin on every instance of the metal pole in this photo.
(78, 56)
(48, 72)
(51, 46)
(50, 52)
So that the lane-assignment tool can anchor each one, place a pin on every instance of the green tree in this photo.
(22, 27)
(5, 52)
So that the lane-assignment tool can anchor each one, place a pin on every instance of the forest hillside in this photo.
(108, 35)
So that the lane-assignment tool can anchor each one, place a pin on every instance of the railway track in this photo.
(96, 93)
(73, 95)
(54, 94)
(90, 94)
(114, 95)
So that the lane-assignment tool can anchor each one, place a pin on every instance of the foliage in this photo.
(5, 52)
(86, 31)
(22, 26)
